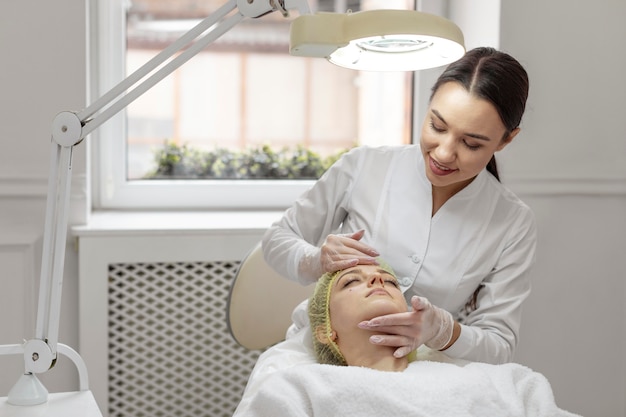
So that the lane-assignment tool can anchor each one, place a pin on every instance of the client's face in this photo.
(362, 293)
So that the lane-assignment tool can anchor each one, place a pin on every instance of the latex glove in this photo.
(338, 252)
(425, 324)
(344, 251)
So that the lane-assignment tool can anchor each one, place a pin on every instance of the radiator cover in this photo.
(170, 351)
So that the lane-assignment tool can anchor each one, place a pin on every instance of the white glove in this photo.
(338, 252)
(445, 323)
(425, 324)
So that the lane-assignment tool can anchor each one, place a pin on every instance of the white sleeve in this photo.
(292, 244)
(490, 333)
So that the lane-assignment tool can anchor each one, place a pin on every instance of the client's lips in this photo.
(380, 291)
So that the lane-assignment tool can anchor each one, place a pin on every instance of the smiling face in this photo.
(361, 293)
(460, 134)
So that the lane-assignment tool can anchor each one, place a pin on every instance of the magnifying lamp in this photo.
(374, 40)
(378, 40)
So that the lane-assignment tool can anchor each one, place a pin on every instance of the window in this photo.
(244, 95)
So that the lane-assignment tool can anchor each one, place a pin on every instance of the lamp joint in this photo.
(67, 129)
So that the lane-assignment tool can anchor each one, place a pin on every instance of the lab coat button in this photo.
(405, 281)
(415, 259)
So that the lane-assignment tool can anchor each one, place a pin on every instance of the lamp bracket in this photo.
(254, 8)
(258, 8)
(279, 5)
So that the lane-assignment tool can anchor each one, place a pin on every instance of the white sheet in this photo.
(435, 385)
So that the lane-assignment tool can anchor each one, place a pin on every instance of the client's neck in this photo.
(361, 352)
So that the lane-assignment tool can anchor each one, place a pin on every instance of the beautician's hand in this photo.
(426, 324)
(345, 251)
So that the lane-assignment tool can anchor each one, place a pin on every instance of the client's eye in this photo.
(393, 282)
(349, 281)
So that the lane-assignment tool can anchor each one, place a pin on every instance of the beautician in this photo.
(461, 243)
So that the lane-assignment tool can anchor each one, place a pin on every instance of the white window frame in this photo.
(111, 190)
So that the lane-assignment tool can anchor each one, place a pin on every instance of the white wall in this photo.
(43, 53)
(574, 325)
(575, 52)
(570, 160)
(569, 164)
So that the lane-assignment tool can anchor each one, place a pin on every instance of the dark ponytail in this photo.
(492, 167)
(493, 76)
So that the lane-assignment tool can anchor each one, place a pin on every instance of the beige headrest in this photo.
(260, 302)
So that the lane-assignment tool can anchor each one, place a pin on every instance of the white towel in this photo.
(424, 389)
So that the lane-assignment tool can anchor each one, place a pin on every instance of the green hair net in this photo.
(319, 317)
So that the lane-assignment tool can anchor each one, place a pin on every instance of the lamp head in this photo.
(378, 40)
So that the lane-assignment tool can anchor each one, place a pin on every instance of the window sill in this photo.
(145, 223)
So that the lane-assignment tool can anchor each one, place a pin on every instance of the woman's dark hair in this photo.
(493, 76)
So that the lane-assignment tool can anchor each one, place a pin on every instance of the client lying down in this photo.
(356, 377)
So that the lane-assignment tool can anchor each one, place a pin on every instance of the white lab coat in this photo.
(484, 235)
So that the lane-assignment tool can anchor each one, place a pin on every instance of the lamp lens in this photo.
(396, 44)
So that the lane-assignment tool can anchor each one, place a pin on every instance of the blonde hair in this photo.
(319, 318)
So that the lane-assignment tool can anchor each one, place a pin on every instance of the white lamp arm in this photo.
(70, 128)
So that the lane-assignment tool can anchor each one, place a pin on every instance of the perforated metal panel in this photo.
(170, 352)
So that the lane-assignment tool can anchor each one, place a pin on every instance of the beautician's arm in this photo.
(292, 244)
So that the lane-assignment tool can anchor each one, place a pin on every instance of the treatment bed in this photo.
(287, 381)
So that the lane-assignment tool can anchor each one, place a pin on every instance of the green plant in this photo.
(183, 162)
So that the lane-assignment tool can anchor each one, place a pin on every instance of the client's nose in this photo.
(376, 278)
